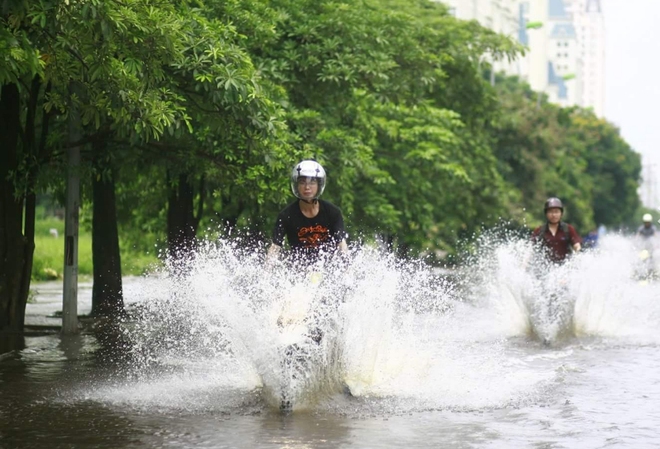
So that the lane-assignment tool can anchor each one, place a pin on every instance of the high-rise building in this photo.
(564, 64)
(533, 34)
(590, 27)
(501, 16)
(565, 41)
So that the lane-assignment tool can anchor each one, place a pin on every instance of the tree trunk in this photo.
(30, 220)
(15, 253)
(30, 195)
(181, 221)
(107, 294)
(12, 342)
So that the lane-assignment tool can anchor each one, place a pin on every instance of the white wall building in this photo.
(566, 54)
(564, 66)
(590, 27)
(501, 16)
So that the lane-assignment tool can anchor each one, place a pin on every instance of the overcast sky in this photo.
(632, 73)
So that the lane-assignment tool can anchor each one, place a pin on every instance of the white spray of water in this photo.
(612, 301)
(599, 293)
(393, 332)
(223, 317)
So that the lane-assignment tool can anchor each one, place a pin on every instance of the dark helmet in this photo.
(553, 202)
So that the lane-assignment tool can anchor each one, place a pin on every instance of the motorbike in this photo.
(644, 270)
(551, 308)
(307, 327)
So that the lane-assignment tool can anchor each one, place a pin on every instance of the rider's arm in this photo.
(339, 233)
(273, 254)
(575, 238)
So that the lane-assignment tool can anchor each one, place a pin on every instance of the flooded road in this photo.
(405, 360)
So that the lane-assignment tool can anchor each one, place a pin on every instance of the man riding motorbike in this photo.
(550, 314)
(647, 234)
(557, 237)
(647, 229)
(312, 226)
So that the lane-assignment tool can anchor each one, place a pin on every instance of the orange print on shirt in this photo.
(313, 236)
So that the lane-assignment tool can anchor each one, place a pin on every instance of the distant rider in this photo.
(590, 241)
(312, 226)
(558, 238)
(648, 229)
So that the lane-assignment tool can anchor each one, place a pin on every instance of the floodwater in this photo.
(505, 355)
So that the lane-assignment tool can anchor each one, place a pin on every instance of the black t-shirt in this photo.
(310, 235)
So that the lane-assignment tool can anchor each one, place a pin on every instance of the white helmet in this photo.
(308, 168)
(647, 218)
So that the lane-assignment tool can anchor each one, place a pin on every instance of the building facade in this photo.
(498, 15)
(590, 27)
(565, 41)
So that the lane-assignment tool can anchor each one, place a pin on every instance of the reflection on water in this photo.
(427, 363)
(9, 344)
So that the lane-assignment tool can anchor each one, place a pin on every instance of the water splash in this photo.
(612, 301)
(396, 333)
(595, 294)
(356, 329)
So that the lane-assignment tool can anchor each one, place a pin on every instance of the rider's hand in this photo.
(272, 256)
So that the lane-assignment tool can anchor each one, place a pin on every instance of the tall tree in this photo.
(130, 59)
(363, 80)
(23, 129)
(107, 289)
(613, 166)
(16, 249)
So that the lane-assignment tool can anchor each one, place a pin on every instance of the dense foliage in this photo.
(544, 150)
(194, 111)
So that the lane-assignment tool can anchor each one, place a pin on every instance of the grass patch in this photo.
(49, 257)
(43, 226)
(48, 261)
